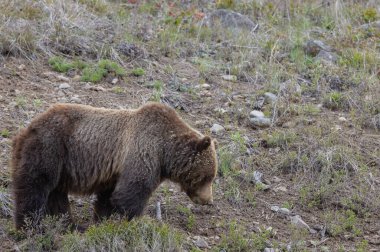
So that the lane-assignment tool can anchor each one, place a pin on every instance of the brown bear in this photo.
(122, 156)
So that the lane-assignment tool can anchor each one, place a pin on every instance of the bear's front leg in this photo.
(132, 194)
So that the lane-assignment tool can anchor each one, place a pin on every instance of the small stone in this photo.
(62, 78)
(276, 179)
(77, 77)
(206, 86)
(327, 56)
(270, 97)
(280, 188)
(275, 208)
(76, 99)
(313, 47)
(298, 222)
(256, 114)
(220, 111)
(257, 176)
(64, 86)
(260, 122)
(229, 77)
(114, 81)
(200, 242)
(60, 93)
(342, 119)
(269, 250)
(217, 128)
(205, 93)
(21, 67)
(284, 211)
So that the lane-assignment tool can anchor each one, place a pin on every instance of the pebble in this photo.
(298, 222)
(76, 99)
(256, 113)
(115, 81)
(217, 128)
(260, 122)
(229, 77)
(200, 242)
(64, 86)
(62, 78)
(270, 97)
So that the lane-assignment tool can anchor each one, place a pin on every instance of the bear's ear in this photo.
(203, 144)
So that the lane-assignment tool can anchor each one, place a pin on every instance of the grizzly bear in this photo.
(121, 156)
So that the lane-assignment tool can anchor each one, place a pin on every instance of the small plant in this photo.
(37, 103)
(138, 72)
(158, 87)
(142, 234)
(225, 4)
(226, 158)
(60, 64)
(335, 100)
(93, 74)
(370, 15)
(21, 101)
(5, 133)
(191, 221)
(111, 67)
(118, 90)
(362, 246)
(280, 139)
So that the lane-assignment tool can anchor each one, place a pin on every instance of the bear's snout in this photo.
(203, 196)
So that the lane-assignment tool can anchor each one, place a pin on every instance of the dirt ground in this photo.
(29, 87)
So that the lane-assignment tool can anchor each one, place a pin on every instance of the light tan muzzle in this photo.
(203, 196)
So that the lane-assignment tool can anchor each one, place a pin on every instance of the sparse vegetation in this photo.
(322, 144)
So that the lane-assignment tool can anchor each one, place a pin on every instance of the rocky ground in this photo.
(290, 91)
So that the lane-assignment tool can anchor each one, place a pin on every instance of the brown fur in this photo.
(120, 155)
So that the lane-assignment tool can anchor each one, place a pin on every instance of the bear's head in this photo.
(196, 167)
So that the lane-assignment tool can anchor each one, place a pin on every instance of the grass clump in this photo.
(335, 100)
(5, 133)
(191, 221)
(138, 72)
(62, 65)
(115, 235)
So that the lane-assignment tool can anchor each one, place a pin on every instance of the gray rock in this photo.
(257, 176)
(114, 81)
(229, 19)
(62, 78)
(256, 114)
(284, 211)
(298, 222)
(260, 122)
(269, 250)
(64, 86)
(217, 128)
(275, 208)
(75, 99)
(229, 77)
(372, 26)
(313, 47)
(200, 242)
(327, 56)
(270, 98)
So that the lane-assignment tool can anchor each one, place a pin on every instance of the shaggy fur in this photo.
(120, 155)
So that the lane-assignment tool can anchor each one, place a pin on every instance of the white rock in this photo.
(260, 122)
(21, 67)
(64, 86)
(76, 99)
(275, 208)
(229, 77)
(256, 113)
(270, 98)
(115, 81)
(217, 128)
(342, 119)
(269, 250)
